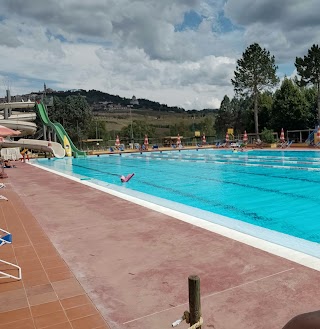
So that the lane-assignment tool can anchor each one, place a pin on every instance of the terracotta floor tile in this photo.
(13, 300)
(40, 278)
(21, 242)
(40, 289)
(81, 311)
(52, 261)
(64, 325)
(34, 274)
(7, 258)
(50, 319)
(39, 240)
(43, 298)
(21, 324)
(16, 315)
(7, 250)
(10, 284)
(30, 265)
(45, 249)
(67, 288)
(60, 276)
(59, 269)
(43, 245)
(26, 252)
(37, 235)
(75, 301)
(46, 308)
(88, 322)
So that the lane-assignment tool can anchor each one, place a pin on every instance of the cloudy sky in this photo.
(178, 52)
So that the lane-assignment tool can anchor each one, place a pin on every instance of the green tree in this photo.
(265, 109)
(97, 129)
(289, 109)
(308, 68)
(225, 116)
(255, 71)
(180, 128)
(310, 95)
(74, 114)
(206, 126)
(139, 129)
(242, 109)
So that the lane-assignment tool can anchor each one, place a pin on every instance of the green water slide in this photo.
(58, 129)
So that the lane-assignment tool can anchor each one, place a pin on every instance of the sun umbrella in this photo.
(117, 143)
(245, 137)
(204, 141)
(4, 132)
(227, 137)
(282, 135)
(178, 140)
(146, 141)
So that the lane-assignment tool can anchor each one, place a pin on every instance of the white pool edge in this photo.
(272, 248)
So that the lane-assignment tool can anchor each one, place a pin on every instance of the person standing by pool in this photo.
(146, 142)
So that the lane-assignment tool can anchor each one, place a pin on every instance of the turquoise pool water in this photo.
(276, 190)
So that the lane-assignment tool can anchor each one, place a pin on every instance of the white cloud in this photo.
(287, 28)
(132, 47)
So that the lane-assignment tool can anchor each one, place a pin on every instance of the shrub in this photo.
(267, 136)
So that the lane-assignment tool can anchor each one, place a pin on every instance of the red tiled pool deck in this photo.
(92, 260)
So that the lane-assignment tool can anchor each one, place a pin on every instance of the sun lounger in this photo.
(222, 145)
(285, 145)
(289, 144)
(6, 267)
(5, 237)
(259, 143)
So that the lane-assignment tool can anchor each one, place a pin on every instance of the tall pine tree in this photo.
(308, 68)
(255, 72)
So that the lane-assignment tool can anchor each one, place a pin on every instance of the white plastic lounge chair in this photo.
(6, 238)
(5, 275)
(2, 185)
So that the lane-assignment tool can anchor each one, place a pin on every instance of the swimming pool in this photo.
(256, 192)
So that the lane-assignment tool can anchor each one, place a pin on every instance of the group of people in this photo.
(7, 164)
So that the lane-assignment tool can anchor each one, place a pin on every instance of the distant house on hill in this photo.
(134, 101)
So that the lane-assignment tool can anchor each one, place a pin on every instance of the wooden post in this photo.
(194, 299)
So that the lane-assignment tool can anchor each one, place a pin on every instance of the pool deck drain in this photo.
(133, 262)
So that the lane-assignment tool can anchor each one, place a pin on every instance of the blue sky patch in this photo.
(191, 21)
(285, 69)
(50, 35)
(224, 25)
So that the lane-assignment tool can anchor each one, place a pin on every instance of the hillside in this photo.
(100, 101)
(117, 113)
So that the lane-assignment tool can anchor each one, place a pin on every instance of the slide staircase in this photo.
(59, 130)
